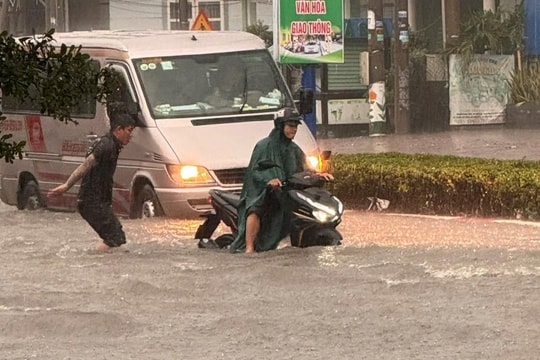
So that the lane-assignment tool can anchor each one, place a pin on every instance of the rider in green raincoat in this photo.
(263, 214)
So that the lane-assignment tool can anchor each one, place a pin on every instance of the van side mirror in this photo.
(305, 99)
(326, 154)
(130, 108)
(134, 109)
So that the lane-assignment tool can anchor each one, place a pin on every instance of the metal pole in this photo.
(377, 96)
(443, 16)
(275, 28)
(412, 15)
(245, 7)
(402, 121)
(452, 20)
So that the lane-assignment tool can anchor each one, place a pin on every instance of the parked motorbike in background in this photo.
(316, 213)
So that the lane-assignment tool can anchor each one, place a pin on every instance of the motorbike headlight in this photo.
(189, 175)
(324, 216)
(340, 206)
(321, 212)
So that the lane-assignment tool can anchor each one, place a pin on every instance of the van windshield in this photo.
(196, 85)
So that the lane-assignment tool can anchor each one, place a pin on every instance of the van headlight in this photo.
(189, 175)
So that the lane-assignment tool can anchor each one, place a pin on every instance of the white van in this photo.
(186, 144)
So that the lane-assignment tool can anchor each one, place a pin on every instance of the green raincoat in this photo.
(275, 217)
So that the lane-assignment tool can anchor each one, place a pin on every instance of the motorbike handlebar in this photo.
(302, 180)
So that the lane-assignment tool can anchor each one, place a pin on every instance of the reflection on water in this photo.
(37, 227)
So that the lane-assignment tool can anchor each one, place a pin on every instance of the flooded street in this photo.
(401, 287)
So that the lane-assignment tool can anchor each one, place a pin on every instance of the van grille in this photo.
(230, 176)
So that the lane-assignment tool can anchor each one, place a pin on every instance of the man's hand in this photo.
(274, 183)
(57, 191)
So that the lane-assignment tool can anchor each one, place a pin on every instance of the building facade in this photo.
(341, 89)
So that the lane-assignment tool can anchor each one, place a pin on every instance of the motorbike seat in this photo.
(232, 198)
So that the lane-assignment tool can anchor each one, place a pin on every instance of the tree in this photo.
(262, 31)
(499, 32)
(59, 75)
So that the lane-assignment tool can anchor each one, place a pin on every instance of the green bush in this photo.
(441, 185)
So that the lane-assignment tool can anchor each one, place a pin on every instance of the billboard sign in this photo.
(310, 31)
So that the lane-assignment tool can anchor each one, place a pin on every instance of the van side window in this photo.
(123, 97)
(85, 109)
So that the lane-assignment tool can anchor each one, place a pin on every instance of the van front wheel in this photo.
(146, 204)
(29, 197)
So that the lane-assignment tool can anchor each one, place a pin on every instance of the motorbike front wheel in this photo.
(320, 237)
(224, 240)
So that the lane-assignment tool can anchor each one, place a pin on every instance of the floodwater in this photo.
(400, 287)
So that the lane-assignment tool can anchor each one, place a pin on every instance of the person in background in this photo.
(96, 172)
(263, 214)
(228, 84)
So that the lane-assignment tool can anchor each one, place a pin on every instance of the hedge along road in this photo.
(400, 287)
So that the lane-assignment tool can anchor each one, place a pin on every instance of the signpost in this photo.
(201, 22)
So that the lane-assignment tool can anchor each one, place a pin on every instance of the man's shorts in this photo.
(104, 222)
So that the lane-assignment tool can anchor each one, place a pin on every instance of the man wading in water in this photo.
(96, 171)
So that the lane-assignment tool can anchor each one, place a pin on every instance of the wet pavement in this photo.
(484, 142)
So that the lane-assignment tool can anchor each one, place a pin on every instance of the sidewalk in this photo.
(499, 143)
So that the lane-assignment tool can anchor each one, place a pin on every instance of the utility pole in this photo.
(402, 112)
(451, 20)
(56, 15)
(376, 97)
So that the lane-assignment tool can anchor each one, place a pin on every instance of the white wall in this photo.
(137, 15)
(509, 5)
(259, 10)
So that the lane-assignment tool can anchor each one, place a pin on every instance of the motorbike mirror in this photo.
(266, 164)
(326, 154)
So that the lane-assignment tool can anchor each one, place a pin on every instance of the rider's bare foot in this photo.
(285, 242)
(103, 248)
(250, 251)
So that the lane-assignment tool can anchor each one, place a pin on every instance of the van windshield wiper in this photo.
(244, 92)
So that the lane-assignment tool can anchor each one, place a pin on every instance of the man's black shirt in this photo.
(97, 183)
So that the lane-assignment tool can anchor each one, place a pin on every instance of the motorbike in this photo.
(315, 213)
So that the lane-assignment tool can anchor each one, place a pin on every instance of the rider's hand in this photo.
(326, 176)
(274, 183)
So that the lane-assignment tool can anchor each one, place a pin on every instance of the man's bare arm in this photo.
(75, 176)
(79, 172)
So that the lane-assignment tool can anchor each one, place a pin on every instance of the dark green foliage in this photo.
(262, 31)
(61, 75)
(499, 32)
(442, 185)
